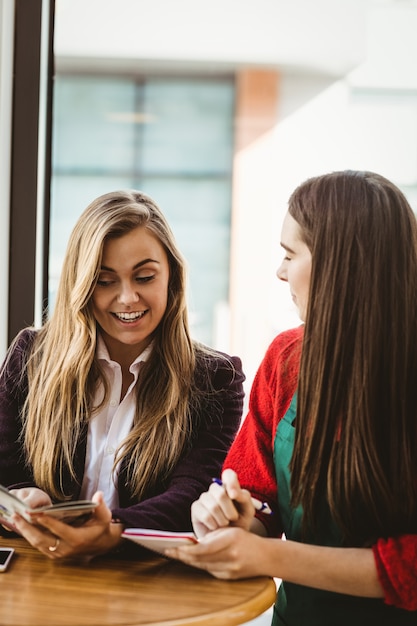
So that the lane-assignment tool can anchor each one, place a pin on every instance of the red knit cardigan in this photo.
(251, 456)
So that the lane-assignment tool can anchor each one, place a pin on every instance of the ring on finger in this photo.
(55, 546)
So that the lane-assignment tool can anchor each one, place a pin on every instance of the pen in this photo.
(261, 507)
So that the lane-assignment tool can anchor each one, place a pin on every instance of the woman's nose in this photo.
(281, 273)
(128, 294)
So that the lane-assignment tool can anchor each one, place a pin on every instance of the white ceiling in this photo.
(321, 36)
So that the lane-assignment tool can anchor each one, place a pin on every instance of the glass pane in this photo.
(190, 127)
(199, 213)
(173, 139)
(94, 124)
(70, 195)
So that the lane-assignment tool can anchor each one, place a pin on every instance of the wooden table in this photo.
(36, 591)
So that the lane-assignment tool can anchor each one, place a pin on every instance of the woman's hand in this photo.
(233, 553)
(32, 497)
(59, 540)
(228, 553)
(223, 505)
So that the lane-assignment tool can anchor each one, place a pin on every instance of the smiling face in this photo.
(295, 268)
(131, 294)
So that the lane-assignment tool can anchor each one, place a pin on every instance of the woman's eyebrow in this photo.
(144, 262)
(105, 268)
(286, 248)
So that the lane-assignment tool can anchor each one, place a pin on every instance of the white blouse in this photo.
(109, 427)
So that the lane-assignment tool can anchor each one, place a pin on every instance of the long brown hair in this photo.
(63, 371)
(356, 435)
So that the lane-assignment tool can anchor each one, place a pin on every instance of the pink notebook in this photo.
(158, 540)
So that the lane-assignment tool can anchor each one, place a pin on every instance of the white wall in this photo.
(6, 85)
(334, 131)
(320, 128)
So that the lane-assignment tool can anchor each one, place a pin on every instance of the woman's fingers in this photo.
(207, 516)
(241, 499)
(32, 497)
(232, 487)
(224, 553)
(101, 513)
(231, 483)
(57, 539)
(39, 537)
(214, 509)
(224, 504)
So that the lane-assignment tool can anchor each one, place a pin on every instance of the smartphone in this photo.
(5, 558)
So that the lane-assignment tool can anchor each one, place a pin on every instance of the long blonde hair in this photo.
(63, 371)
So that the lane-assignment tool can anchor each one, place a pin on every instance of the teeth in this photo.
(129, 317)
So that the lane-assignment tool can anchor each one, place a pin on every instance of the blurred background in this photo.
(217, 110)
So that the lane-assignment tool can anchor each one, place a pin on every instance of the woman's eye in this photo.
(104, 283)
(145, 279)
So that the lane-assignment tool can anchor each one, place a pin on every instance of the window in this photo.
(169, 137)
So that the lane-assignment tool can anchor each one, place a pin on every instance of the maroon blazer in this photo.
(167, 504)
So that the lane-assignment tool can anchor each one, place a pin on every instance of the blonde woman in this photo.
(111, 399)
